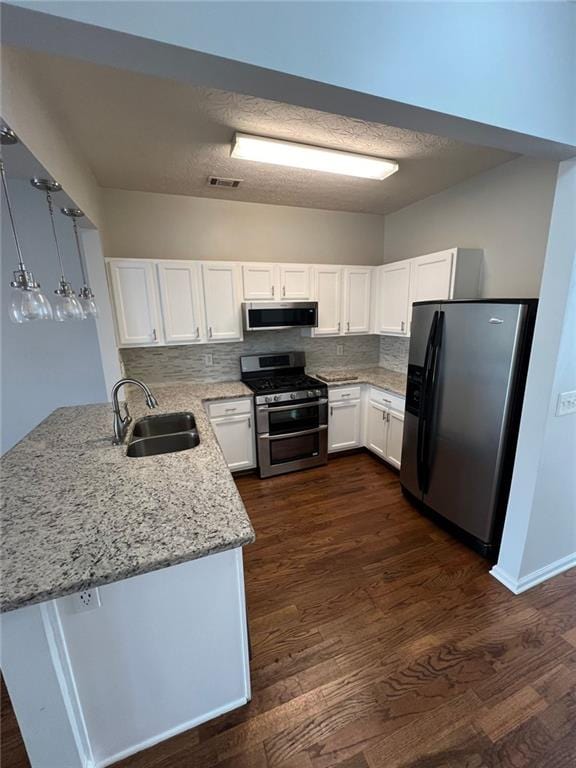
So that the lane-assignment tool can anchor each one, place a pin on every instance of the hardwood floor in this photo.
(379, 642)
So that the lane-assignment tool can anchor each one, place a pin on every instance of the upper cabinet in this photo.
(259, 282)
(432, 276)
(181, 299)
(221, 283)
(294, 282)
(135, 293)
(450, 274)
(328, 294)
(270, 282)
(393, 297)
(356, 311)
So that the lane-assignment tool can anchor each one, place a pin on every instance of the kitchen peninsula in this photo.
(124, 613)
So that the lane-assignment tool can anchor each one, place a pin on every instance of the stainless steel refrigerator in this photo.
(466, 373)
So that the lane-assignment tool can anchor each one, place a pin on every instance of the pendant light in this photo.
(66, 304)
(27, 301)
(85, 295)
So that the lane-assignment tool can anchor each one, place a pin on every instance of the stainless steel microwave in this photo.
(261, 316)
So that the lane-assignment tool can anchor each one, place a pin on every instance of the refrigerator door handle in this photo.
(423, 404)
(430, 398)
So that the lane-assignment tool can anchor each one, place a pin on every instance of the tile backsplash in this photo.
(394, 353)
(180, 363)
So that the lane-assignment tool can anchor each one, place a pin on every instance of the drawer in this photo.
(337, 394)
(387, 399)
(229, 407)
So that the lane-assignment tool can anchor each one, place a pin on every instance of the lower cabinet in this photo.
(344, 424)
(384, 427)
(233, 424)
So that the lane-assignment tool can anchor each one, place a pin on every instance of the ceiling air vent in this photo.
(218, 181)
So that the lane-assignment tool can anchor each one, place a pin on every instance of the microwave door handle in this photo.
(273, 408)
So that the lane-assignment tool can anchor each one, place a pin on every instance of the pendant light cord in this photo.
(49, 201)
(21, 265)
(80, 252)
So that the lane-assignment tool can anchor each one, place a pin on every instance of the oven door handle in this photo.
(272, 408)
(267, 436)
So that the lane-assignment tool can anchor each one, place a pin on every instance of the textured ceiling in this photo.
(155, 135)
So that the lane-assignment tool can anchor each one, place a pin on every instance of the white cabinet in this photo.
(181, 299)
(376, 428)
(356, 307)
(431, 277)
(233, 424)
(270, 282)
(450, 274)
(384, 425)
(135, 295)
(394, 438)
(294, 282)
(221, 282)
(328, 294)
(259, 282)
(393, 298)
(344, 420)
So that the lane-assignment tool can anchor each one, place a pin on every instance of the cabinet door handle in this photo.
(210, 331)
(348, 326)
(338, 326)
(283, 290)
(154, 334)
(383, 415)
(402, 326)
(273, 290)
(197, 332)
(249, 423)
(331, 410)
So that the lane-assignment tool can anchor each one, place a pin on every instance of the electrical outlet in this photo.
(339, 350)
(208, 360)
(87, 600)
(566, 403)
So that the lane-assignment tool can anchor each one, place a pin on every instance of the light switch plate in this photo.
(566, 403)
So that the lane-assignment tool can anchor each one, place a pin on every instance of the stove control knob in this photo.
(276, 398)
(311, 393)
(293, 395)
(268, 399)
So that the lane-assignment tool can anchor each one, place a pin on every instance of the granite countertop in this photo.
(77, 512)
(393, 381)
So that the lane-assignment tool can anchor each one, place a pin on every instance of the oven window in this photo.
(271, 318)
(293, 420)
(294, 448)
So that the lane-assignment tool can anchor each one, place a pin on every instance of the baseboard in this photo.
(524, 583)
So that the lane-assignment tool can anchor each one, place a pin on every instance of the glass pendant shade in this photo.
(28, 304)
(67, 305)
(88, 304)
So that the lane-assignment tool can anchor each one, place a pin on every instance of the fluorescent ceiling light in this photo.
(313, 158)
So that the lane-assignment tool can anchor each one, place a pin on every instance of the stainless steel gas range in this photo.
(291, 412)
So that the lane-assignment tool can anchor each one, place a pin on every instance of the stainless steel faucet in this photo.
(121, 423)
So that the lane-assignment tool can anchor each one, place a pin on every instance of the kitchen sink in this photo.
(165, 424)
(152, 446)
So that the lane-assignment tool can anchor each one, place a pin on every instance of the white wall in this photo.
(505, 211)
(44, 365)
(157, 226)
(540, 531)
(483, 61)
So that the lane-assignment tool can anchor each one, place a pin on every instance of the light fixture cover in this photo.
(288, 153)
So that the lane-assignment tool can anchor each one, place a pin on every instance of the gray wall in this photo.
(48, 364)
(156, 226)
(187, 362)
(506, 211)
